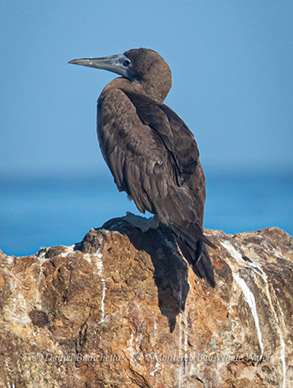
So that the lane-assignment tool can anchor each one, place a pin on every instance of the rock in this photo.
(123, 309)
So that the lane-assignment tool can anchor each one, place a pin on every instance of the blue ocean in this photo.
(42, 211)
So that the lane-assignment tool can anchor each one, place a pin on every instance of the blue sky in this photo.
(232, 65)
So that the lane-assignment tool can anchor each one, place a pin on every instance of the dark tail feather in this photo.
(204, 267)
(192, 244)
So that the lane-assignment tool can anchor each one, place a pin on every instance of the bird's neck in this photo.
(133, 86)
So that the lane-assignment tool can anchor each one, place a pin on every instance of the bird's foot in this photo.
(142, 223)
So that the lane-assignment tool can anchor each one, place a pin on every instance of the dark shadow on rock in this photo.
(171, 273)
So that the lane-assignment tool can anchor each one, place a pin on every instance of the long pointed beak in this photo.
(115, 63)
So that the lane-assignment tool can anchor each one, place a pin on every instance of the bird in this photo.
(151, 152)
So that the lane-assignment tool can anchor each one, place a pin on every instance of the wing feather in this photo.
(152, 155)
(177, 138)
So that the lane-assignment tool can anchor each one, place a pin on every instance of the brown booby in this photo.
(150, 151)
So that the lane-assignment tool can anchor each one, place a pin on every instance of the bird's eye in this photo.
(126, 63)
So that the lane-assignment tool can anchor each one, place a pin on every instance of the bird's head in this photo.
(141, 65)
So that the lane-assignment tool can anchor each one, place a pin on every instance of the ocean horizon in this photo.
(41, 211)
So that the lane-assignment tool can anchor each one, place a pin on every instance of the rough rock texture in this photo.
(123, 309)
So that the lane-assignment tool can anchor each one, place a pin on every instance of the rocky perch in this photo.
(123, 309)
